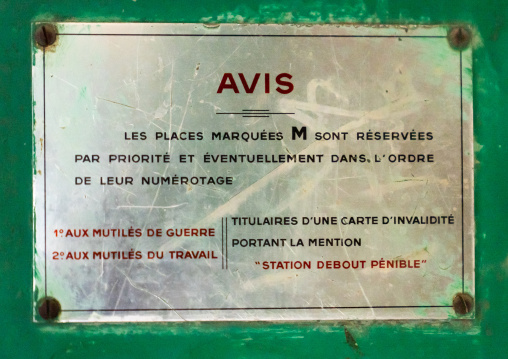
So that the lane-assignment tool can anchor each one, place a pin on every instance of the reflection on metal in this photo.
(252, 172)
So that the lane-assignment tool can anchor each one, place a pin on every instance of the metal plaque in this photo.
(251, 172)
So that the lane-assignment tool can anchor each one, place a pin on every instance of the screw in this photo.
(463, 303)
(49, 308)
(459, 37)
(45, 35)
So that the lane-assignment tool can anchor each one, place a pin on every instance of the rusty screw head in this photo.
(49, 308)
(463, 303)
(45, 35)
(459, 37)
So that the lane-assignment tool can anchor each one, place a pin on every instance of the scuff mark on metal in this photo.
(118, 103)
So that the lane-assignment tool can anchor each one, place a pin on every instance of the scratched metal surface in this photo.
(483, 337)
(98, 86)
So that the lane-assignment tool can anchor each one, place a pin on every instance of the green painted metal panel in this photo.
(480, 338)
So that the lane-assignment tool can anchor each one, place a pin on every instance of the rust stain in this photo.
(46, 32)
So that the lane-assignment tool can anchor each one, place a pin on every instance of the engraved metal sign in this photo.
(251, 172)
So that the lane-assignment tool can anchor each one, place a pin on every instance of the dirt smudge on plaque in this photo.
(350, 340)
(498, 28)
(505, 265)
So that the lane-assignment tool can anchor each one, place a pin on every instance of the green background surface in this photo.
(483, 337)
